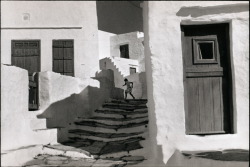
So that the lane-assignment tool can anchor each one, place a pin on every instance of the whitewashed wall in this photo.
(104, 43)
(164, 70)
(136, 48)
(53, 20)
(18, 124)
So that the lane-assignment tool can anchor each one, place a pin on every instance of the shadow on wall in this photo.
(197, 11)
(63, 112)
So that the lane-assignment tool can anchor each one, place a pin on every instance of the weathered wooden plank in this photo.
(68, 66)
(57, 53)
(68, 53)
(218, 120)
(201, 104)
(192, 122)
(58, 66)
(208, 69)
(205, 74)
(208, 120)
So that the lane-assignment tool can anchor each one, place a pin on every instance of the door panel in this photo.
(26, 55)
(207, 81)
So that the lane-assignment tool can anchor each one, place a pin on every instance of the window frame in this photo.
(126, 46)
(196, 54)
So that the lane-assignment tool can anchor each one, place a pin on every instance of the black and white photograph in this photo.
(124, 83)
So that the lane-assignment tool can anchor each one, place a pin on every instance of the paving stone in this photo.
(51, 162)
(41, 156)
(34, 162)
(57, 158)
(133, 158)
(77, 154)
(52, 151)
(108, 163)
(80, 162)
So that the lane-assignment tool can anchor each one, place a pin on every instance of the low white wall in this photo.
(16, 121)
(53, 20)
(125, 64)
(165, 74)
(64, 98)
(104, 43)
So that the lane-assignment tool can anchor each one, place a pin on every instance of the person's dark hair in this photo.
(125, 79)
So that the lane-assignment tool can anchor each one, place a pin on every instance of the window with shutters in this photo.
(124, 51)
(63, 57)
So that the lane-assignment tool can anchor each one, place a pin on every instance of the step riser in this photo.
(103, 139)
(122, 154)
(108, 122)
(142, 128)
(119, 116)
(129, 102)
(128, 108)
(124, 113)
(115, 127)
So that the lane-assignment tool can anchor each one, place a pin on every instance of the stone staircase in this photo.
(115, 130)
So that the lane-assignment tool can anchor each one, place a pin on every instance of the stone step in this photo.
(100, 147)
(123, 154)
(125, 113)
(141, 128)
(103, 136)
(112, 121)
(109, 126)
(59, 149)
(123, 106)
(134, 115)
(133, 102)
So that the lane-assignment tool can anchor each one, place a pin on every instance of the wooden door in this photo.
(26, 55)
(63, 57)
(207, 78)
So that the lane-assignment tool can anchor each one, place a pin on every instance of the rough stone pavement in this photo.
(45, 160)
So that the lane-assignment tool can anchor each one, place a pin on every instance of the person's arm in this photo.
(124, 84)
(132, 84)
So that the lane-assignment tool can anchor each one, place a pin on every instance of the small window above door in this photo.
(205, 50)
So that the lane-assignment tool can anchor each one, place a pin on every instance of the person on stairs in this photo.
(129, 88)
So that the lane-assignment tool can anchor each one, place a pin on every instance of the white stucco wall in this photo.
(164, 72)
(104, 43)
(17, 122)
(136, 48)
(51, 20)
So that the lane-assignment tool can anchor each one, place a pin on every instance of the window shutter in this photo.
(63, 57)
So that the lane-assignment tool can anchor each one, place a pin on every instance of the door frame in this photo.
(231, 76)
